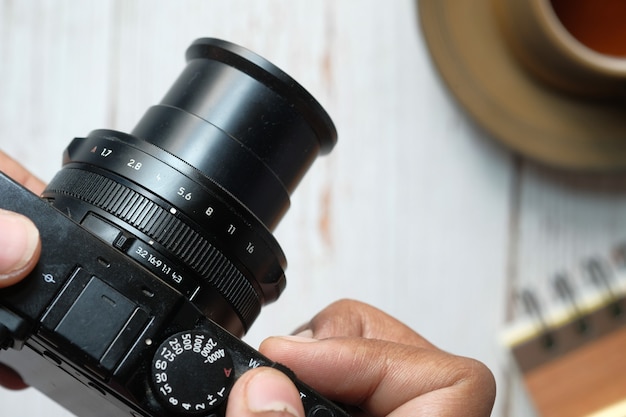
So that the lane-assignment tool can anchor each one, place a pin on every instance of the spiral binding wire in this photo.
(579, 317)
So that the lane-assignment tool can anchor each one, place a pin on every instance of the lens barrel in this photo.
(242, 122)
(194, 191)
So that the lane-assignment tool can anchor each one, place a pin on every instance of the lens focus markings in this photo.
(186, 195)
(161, 266)
(171, 234)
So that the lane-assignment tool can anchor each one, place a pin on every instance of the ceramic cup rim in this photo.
(575, 49)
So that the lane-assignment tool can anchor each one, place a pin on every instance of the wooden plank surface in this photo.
(569, 387)
(416, 211)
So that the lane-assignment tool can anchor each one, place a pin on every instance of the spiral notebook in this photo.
(571, 345)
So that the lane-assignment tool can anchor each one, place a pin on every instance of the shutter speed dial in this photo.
(192, 373)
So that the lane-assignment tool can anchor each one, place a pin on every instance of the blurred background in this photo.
(417, 210)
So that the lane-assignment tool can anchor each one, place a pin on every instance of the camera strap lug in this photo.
(14, 330)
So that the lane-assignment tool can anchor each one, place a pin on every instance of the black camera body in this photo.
(156, 246)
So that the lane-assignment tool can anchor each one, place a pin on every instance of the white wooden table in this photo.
(417, 210)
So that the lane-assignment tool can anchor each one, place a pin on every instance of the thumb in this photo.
(19, 247)
(264, 392)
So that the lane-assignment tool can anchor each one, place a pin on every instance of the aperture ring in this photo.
(165, 228)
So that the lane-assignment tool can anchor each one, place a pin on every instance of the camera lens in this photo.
(195, 190)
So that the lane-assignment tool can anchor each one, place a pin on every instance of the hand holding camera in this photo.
(341, 330)
(183, 261)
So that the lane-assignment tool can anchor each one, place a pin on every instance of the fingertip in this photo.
(305, 333)
(11, 379)
(264, 392)
(20, 247)
(15, 170)
(281, 348)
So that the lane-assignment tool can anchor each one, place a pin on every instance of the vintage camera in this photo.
(157, 246)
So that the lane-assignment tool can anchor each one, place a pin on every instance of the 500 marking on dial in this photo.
(195, 344)
(192, 372)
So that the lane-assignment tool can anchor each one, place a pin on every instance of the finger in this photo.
(19, 247)
(349, 318)
(385, 378)
(264, 392)
(20, 174)
(10, 379)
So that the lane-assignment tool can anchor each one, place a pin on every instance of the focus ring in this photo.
(177, 237)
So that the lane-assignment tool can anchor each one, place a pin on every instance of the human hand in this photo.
(350, 352)
(19, 247)
(357, 355)
(19, 238)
